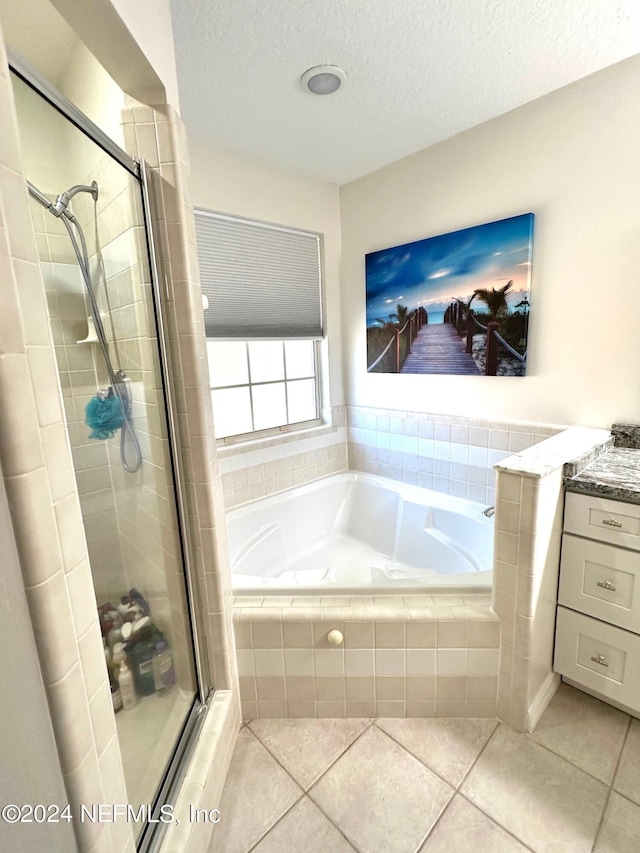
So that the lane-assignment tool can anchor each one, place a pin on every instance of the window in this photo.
(263, 321)
(261, 386)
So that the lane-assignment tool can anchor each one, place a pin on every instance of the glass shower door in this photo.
(89, 220)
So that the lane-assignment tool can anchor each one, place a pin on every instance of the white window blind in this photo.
(261, 281)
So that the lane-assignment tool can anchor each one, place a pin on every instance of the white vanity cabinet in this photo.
(597, 644)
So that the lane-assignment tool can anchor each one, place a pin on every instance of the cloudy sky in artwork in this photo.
(433, 271)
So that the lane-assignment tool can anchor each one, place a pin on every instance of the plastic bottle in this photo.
(116, 695)
(141, 658)
(127, 690)
(125, 604)
(164, 675)
(107, 652)
(118, 655)
(115, 633)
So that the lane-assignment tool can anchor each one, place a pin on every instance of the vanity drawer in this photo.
(598, 518)
(601, 580)
(599, 656)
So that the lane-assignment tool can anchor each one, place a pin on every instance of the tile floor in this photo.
(436, 785)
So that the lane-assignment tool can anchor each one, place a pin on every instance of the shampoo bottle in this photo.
(127, 689)
(164, 675)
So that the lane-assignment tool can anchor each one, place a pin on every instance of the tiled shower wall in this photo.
(78, 381)
(450, 454)
(129, 521)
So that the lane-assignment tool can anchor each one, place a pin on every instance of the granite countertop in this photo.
(614, 475)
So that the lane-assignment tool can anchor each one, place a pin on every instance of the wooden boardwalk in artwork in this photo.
(438, 349)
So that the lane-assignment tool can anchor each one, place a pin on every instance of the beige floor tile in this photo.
(584, 730)
(627, 779)
(620, 831)
(305, 748)
(304, 828)
(256, 794)
(448, 746)
(543, 800)
(381, 797)
(465, 829)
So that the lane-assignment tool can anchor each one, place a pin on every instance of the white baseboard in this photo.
(542, 699)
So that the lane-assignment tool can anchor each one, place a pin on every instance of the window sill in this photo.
(226, 449)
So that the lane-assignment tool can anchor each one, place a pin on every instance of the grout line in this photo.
(477, 758)
(326, 770)
(366, 728)
(428, 766)
(295, 802)
(495, 823)
(315, 805)
(438, 819)
(572, 763)
(273, 825)
(610, 791)
(475, 805)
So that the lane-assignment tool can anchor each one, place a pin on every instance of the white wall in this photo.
(132, 40)
(149, 22)
(571, 158)
(231, 183)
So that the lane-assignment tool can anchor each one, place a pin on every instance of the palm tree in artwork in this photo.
(401, 315)
(495, 300)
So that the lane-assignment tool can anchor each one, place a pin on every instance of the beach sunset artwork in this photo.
(454, 304)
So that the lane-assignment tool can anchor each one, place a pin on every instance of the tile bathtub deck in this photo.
(436, 785)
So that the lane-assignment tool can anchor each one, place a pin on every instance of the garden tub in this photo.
(358, 533)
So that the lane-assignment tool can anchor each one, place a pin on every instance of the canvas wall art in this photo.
(453, 304)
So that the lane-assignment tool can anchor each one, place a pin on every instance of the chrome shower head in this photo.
(60, 205)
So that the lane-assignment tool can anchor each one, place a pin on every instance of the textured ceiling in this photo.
(419, 71)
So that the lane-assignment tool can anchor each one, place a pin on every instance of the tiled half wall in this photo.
(449, 454)
(528, 530)
(259, 468)
(413, 656)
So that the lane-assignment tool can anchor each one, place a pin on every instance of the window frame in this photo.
(283, 429)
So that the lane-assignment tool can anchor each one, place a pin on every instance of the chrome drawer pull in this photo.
(612, 522)
(599, 659)
(606, 585)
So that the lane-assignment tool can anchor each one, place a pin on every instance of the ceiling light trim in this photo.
(323, 79)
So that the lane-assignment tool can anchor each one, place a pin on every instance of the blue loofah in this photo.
(104, 415)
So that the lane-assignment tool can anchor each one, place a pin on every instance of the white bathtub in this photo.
(353, 532)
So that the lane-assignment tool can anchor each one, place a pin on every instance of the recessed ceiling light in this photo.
(323, 79)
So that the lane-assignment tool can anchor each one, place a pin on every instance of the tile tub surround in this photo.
(528, 529)
(436, 785)
(447, 453)
(413, 656)
(257, 468)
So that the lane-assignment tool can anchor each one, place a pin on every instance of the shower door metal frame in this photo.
(153, 249)
(185, 743)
